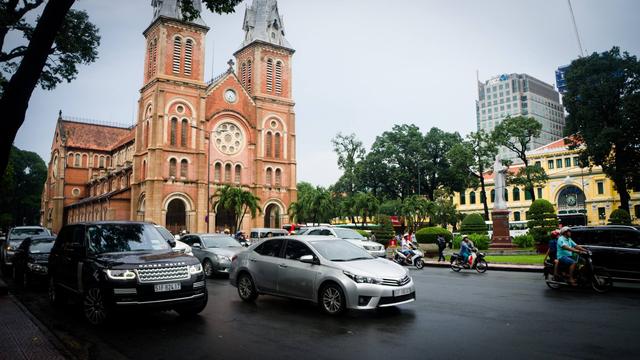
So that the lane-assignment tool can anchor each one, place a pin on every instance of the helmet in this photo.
(555, 234)
(564, 230)
(465, 238)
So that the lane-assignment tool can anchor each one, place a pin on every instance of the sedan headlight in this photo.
(121, 274)
(224, 258)
(362, 279)
(195, 269)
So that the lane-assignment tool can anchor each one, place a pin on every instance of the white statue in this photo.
(499, 184)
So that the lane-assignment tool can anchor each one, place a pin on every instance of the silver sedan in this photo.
(328, 271)
(214, 251)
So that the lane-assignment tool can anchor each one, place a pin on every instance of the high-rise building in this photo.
(520, 95)
(561, 82)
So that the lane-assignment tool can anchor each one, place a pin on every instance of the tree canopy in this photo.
(603, 102)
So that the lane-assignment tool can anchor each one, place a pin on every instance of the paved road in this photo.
(492, 315)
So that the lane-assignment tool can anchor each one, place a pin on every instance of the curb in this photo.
(498, 267)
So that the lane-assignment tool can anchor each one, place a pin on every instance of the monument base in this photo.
(500, 239)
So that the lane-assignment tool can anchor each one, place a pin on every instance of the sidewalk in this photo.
(492, 266)
(21, 337)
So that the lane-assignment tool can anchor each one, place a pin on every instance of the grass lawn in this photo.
(516, 259)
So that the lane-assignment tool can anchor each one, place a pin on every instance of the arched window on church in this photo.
(249, 66)
(276, 147)
(268, 144)
(77, 160)
(238, 174)
(177, 50)
(270, 75)
(216, 172)
(227, 173)
(268, 179)
(174, 130)
(173, 163)
(279, 78)
(183, 132)
(101, 162)
(188, 51)
(243, 74)
(184, 168)
(144, 170)
(278, 177)
(85, 161)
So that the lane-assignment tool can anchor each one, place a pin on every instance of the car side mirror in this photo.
(172, 242)
(309, 259)
(196, 245)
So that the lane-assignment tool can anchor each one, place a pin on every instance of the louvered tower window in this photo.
(177, 50)
(276, 147)
(278, 177)
(243, 74)
(269, 75)
(184, 168)
(155, 57)
(249, 76)
(188, 51)
(267, 145)
(238, 174)
(172, 167)
(269, 176)
(227, 173)
(279, 78)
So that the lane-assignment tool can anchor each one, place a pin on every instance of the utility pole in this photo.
(575, 28)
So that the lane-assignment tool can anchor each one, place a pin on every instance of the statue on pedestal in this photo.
(499, 184)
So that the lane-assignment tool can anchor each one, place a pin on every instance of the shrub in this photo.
(384, 232)
(456, 241)
(542, 220)
(524, 241)
(482, 242)
(363, 233)
(473, 224)
(619, 217)
(429, 235)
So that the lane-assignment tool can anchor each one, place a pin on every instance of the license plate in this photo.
(401, 292)
(166, 287)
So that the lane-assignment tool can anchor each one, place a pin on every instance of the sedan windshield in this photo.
(348, 234)
(18, 233)
(105, 238)
(41, 246)
(220, 241)
(340, 250)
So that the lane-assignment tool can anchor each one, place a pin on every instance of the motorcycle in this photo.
(477, 262)
(584, 274)
(416, 260)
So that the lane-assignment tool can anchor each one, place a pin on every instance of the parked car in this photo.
(258, 234)
(177, 245)
(372, 247)
(214, 251)
(31, 260)
(14, 239)
(615, 251)
(109, 265)
(326, 270)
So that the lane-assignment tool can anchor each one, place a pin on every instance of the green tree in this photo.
(21, 189)
(444, 212)
(350, 151)
(542, 220)
(473, 224)
(483, 150)
(443, 165)
(416, 209)
(384, 232)
(314, 205)
(619, 217)
(60, 39)
(366, 206)
(603, 102)
(516, 134)
(239, 200)
(391, 207)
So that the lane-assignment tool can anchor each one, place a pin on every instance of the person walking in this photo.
(442, 244)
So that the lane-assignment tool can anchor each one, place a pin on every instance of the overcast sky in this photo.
(360, 66)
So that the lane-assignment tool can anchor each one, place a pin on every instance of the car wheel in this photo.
(56, 297)
(95, 307)
(247, 288)
(194, 308)
(332, 299)
(207, 267)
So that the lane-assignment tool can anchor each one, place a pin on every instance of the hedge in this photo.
(480, 241)
(429, 235)
(542, 220)
(473, 224)
(619, 217)
(524, 241)
(363, 233)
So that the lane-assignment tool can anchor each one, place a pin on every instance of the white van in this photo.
(258, 234)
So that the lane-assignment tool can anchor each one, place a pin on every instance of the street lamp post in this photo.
(208, 173)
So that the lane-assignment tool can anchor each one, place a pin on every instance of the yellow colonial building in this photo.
(580, 195)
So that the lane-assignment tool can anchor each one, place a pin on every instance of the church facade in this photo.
(191, 138)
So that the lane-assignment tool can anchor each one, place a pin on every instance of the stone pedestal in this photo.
(501, 238)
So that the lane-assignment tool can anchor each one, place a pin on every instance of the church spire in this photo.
(171, 9)
(262, 22)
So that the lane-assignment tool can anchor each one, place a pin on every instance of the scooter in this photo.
(415, 260)
(584, 273)
(476, 261)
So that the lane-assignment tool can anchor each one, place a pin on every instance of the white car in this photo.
(180, 246)
(354, 237)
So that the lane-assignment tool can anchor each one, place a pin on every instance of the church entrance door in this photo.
(176, 220)
(272, 216)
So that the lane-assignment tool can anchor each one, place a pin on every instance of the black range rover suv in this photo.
(122, 264)
(615, 249)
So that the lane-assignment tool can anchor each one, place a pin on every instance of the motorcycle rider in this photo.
(552, 252)
(566, 247)
(465, 250)
(407, 248)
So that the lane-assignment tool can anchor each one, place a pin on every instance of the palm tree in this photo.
(239, 200)
(366, 205)
(416, 209)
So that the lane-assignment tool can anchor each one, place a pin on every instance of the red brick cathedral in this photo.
(191, 136)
